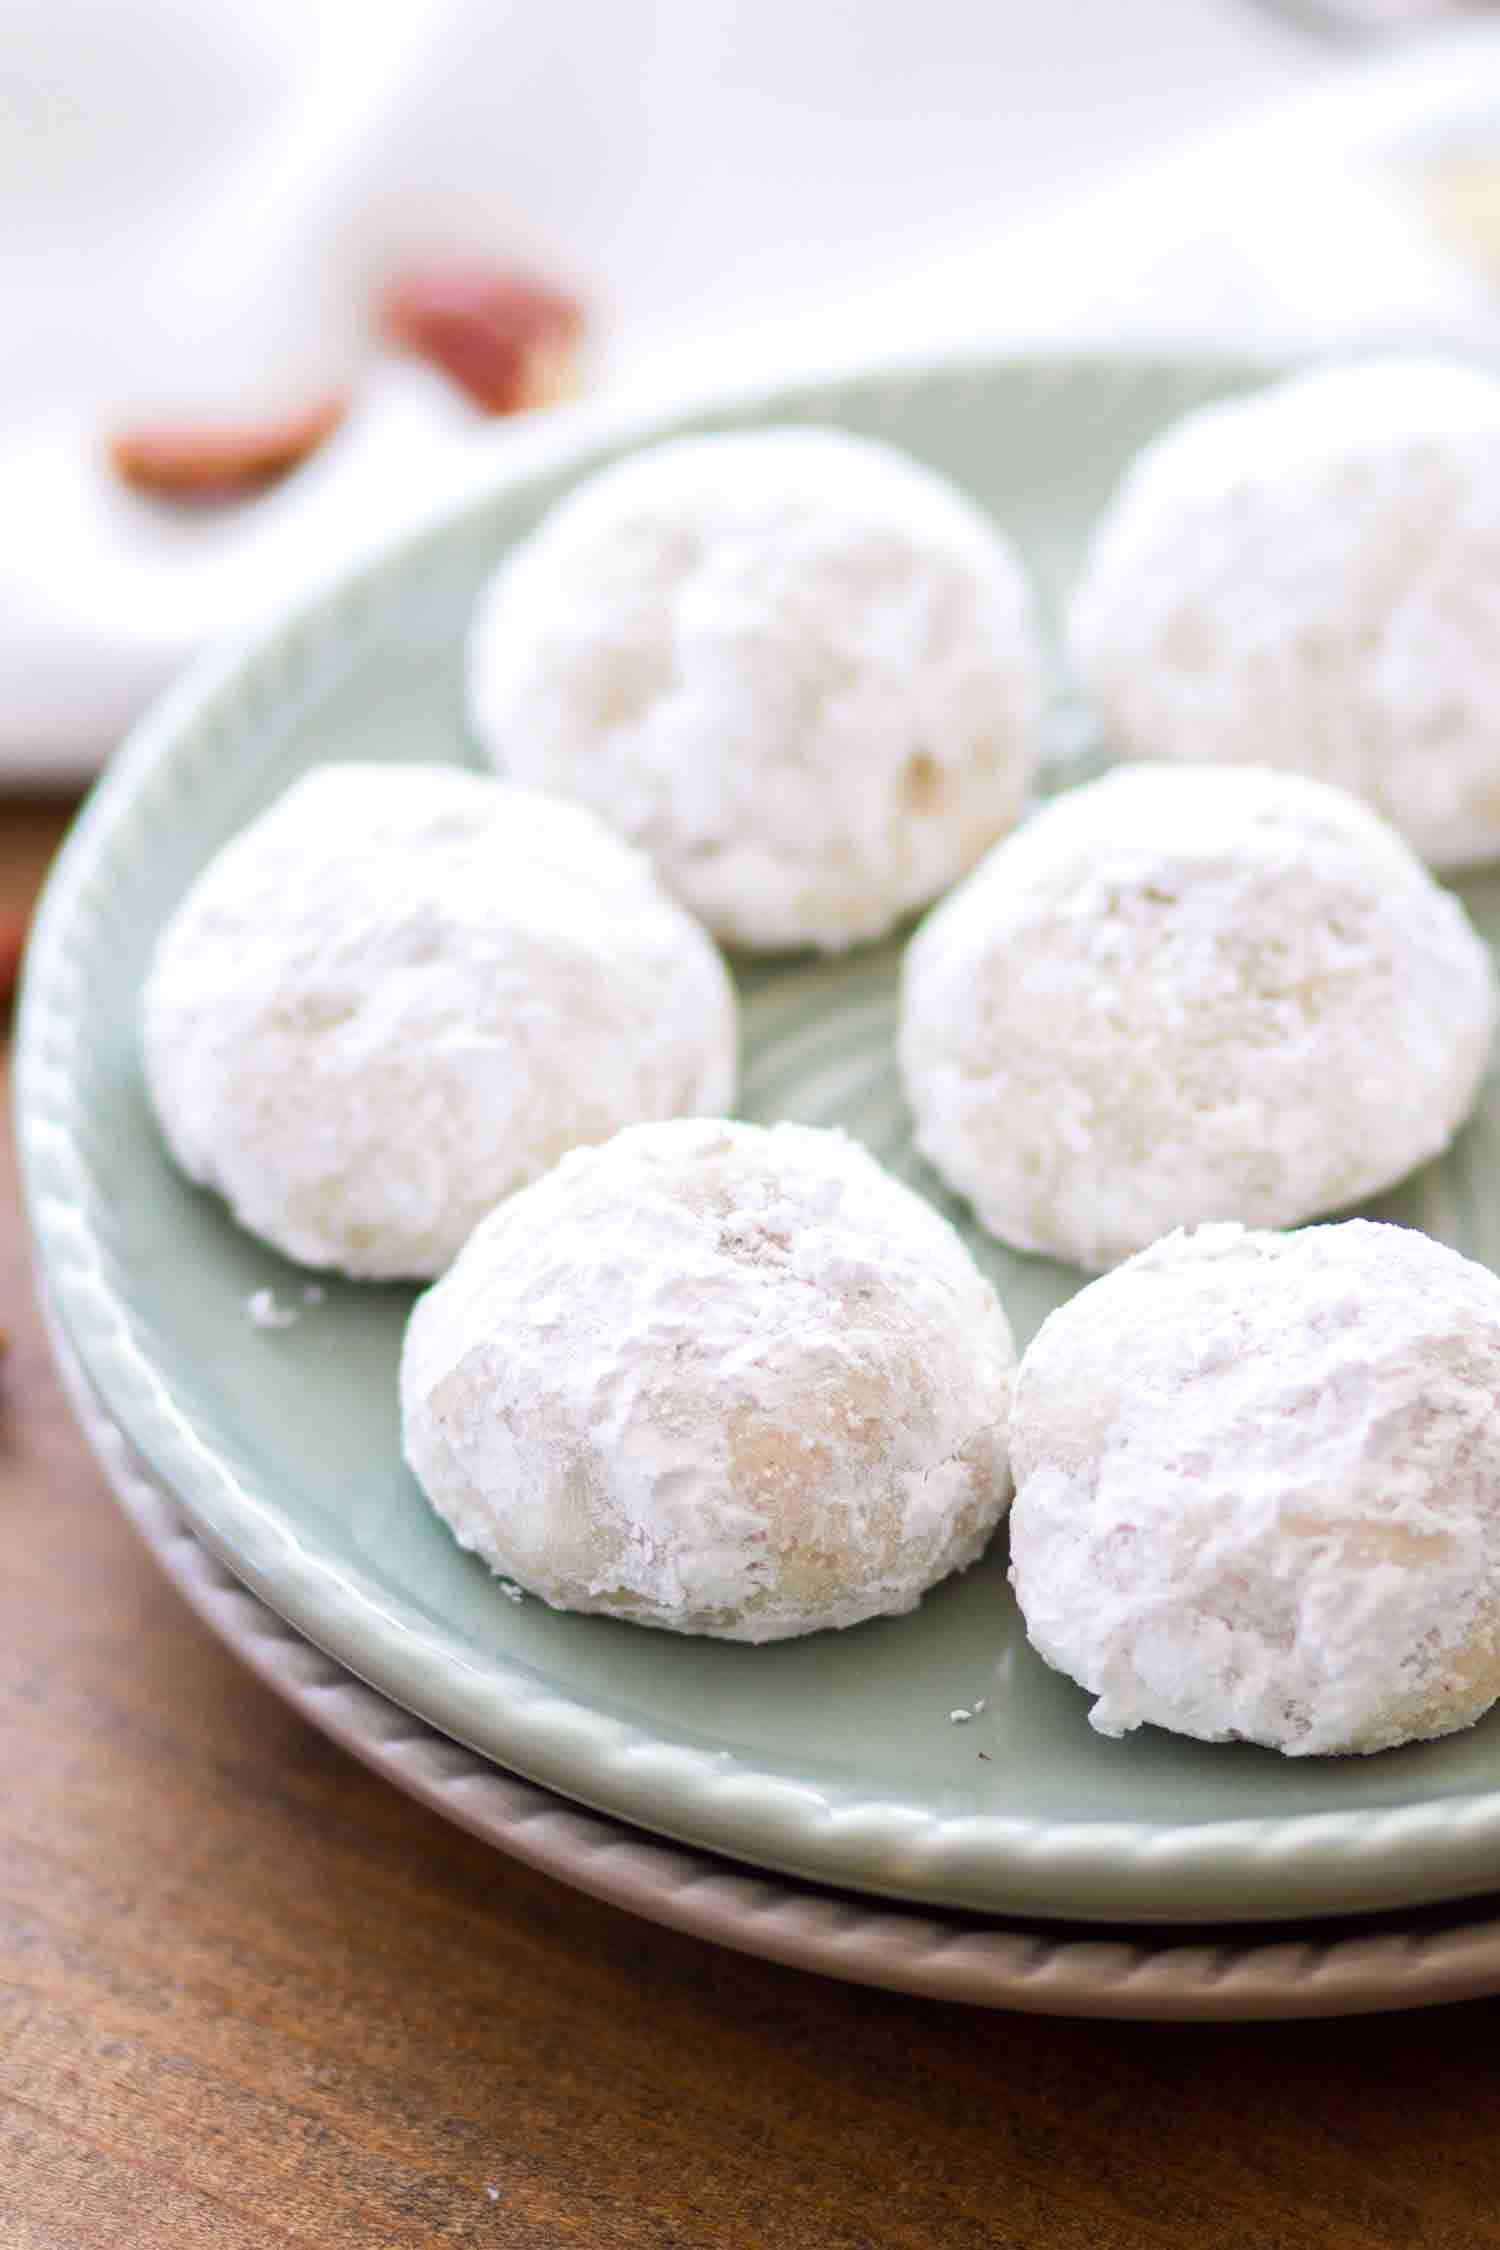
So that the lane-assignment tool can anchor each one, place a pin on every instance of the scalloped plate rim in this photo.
(1093, 1972)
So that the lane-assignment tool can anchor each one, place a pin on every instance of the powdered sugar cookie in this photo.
(1258, 1489)
(1311, 578)
(716, 1378)
(406, 990)
(1185, 993)
(796, 667)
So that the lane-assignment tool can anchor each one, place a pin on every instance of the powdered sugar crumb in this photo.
(266, 1310)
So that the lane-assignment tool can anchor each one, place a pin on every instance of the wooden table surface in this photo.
(251, 1995)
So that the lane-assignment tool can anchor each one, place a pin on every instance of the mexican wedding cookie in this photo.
(795, 667)
(1190, 993)
(1258, 1489)
(405, 991)
(1310, 577)
(715, 1378)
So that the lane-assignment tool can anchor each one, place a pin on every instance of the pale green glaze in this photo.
(833, 1756)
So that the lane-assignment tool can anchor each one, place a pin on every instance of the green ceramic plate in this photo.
(832, 1757)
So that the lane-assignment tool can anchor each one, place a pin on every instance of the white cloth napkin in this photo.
(201, 202)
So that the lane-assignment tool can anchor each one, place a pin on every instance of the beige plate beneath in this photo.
(1326, 1969)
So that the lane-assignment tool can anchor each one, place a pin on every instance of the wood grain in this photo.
(249, 1995)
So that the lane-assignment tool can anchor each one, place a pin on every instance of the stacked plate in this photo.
(923, 1803)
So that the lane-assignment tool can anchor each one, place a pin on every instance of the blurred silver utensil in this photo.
(1361, 20)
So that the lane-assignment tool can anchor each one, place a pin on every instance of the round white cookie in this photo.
(403, 992)
(797, 668)
(1258, 1489)
(1310, 577)
(1185, 993)
(715, 1378)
